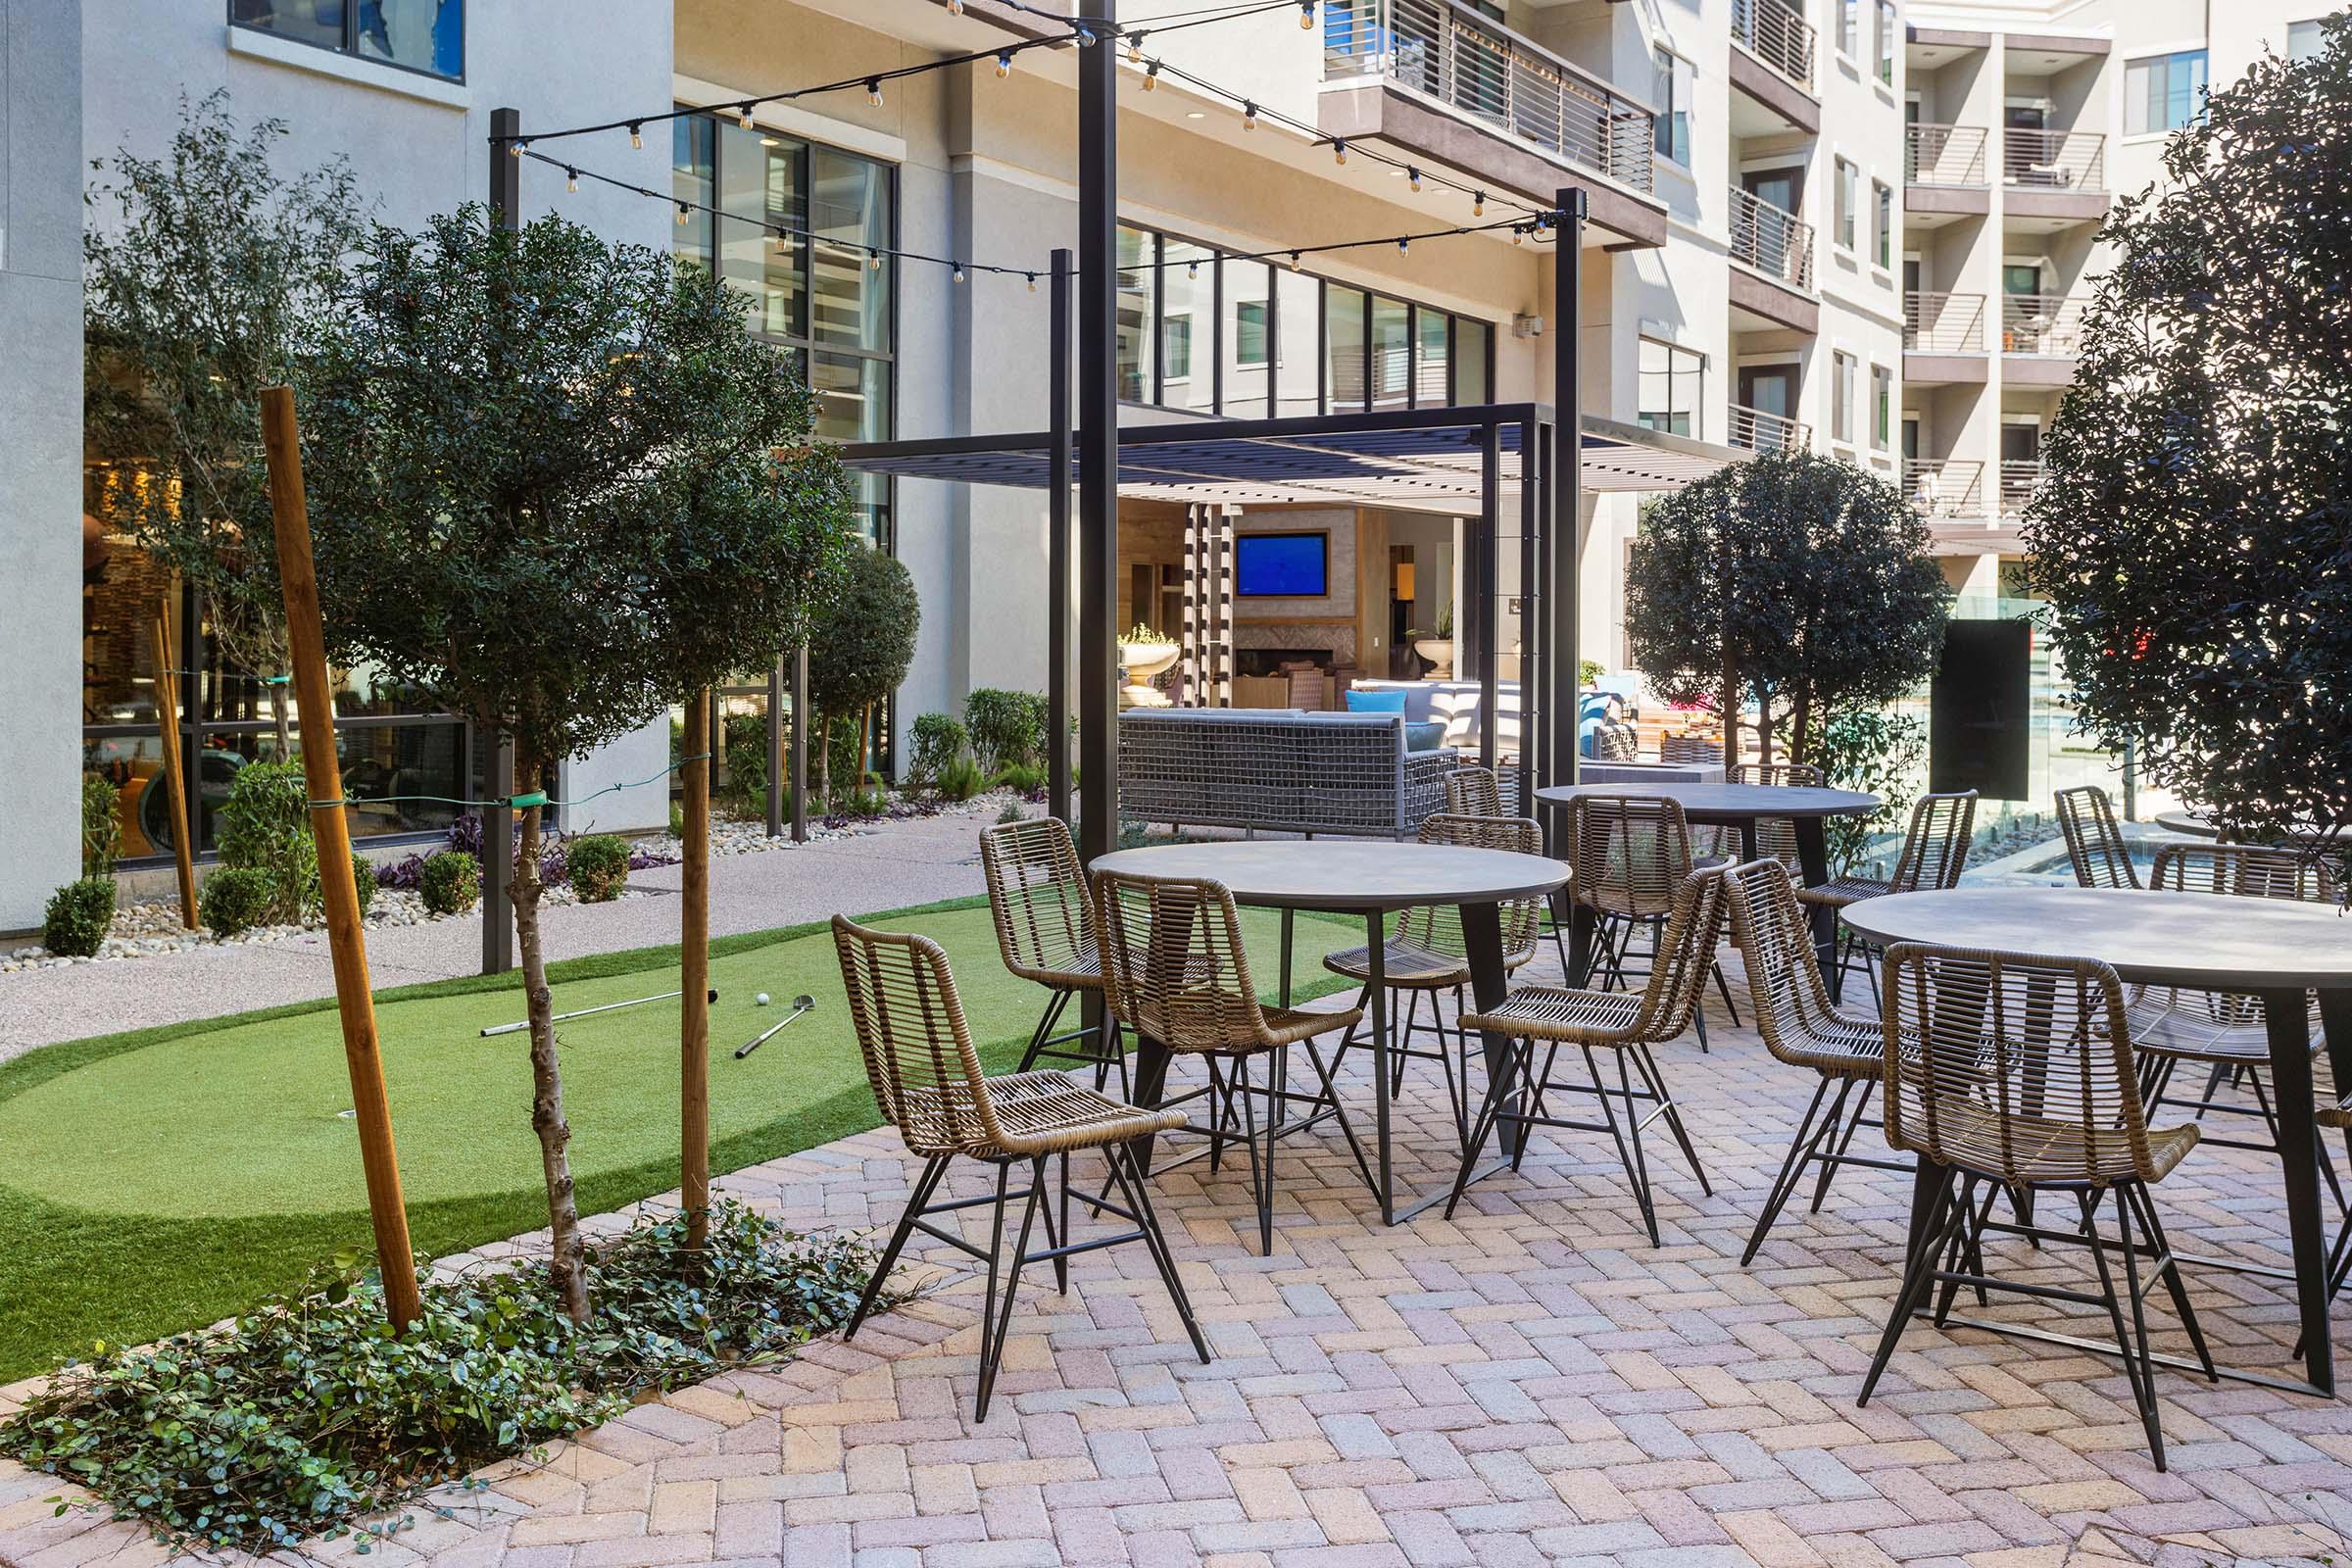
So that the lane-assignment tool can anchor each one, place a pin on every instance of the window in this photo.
(1676, 84)
(2164, 92)
(1883, 201)
(1841, 397)
(1849, 29)
(1344, 368)
(1432, 354)
(1473, 354)
(1392, 354)
(1244, 290)
(1882, 406)
(1849, 198)
(1672, 381)
(1248, 332)
(2304, 39)
(820, 295)
(1889, 32)
(422, 35)
(1139, 288)
(1187, 290)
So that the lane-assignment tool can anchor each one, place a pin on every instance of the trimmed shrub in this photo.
(1025, 778)
(600, 867)
(939, 741)
(80, 916)
(265, 827)
(960, 781)
(1006, 727)
(236, 898)
(746, 763)
(449, 882)
(101, 828)
(363, 877)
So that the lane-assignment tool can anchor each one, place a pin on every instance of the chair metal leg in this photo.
(1810, 1131)
(2169, 1269)
(1723, 987)
(1062, 1264)
(1260, 1187)
(1045, 1028)
(1845, 1140)
(992, 1346)
(1518, 1057)
(2139, 1371)
(1654, 1077)
(1636, 1165)
(1929, 1235)
(1327, 1075)
(925, 1184)
(1136, 1189)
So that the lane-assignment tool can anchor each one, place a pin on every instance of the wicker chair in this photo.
(1628, 1024)
(2339, 1260)
(2016, 1072)
(2223, 1030)
(1934, 850)
(1776, 836)
(1473, 792)
(1688, 749)
(1179, 977)
(1803, 1028)
(1045, 923)
(2094, 845)
(1428, 956)
(926, 1079)
(1632, 854)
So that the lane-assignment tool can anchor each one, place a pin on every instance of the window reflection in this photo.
(1138, 283)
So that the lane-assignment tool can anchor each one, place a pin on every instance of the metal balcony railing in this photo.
(2041, 324)
(1776, 243)
(1943, 155)
(2019, 477)
(2054, 160)
(1754, 430)
(1483, 69)
(1777, 35)
(1937, 323)
(1946, 487)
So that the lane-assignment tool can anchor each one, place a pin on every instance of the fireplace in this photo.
(1269, 660)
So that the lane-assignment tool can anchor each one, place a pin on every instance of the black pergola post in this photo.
(1057, 545)
(1483, 614)
(498, 831)
(1098, 434)
(1561, 647)
(1536, 715)
(797, 674)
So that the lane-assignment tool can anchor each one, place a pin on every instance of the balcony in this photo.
(1754, 430)
(2054, 160)
(2046, 324)
(2020, 476)
(1485, 73)
(1943, 155)
(1778, 244)
(1946, 487)
(1777, 35)
(1937, 323)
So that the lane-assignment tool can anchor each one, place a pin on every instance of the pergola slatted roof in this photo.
(1420, 459)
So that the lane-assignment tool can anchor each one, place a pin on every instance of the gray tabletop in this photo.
(2196, 824)
(1336, 874)
(1730, 803)
(2198, 940)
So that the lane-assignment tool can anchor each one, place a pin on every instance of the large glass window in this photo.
(1673, 379)
(1392, 354)
(1298, 340)
(1889, 30)
(1139, 281)
(1188, 365)
(1848, 202)
(1882, 200)
(422, 35)
(2304, 40)
(1882, 406)
(1676, 84)
(2164, 92)
(1841, 397)
(1248, 337)
(1849, 29)
(1344, 383)
(1432, 358)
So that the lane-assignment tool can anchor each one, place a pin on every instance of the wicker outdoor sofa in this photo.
(1278, 769)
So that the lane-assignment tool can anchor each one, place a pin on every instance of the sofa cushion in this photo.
(1424, 737)
(1364, 701)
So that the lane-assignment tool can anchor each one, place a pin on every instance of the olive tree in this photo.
(1797, 577)
(557, 484)
(205, 277)
(860, 643)
(2192, 531)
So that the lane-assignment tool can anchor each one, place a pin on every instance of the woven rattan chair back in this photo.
(2094, 845)
(1174, 966)
(919, 1057)
(1630, 853)
(1036, 892)
(1614, 742)
(1775, 939)
(1776, 836)
(1936, 849)
(1473, 792)
(2243, 872)
(2013, 1066)
(1686, 957)
(1688, 749)
(1437, 927)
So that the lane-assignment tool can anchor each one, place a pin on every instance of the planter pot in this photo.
(1142, 661)
(1438, 650)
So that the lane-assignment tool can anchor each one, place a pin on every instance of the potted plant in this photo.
(1436, 644)
(1144, 654)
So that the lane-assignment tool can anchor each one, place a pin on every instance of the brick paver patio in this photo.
(1531, 1383)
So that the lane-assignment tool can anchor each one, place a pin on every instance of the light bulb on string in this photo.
(1134, 48)
(1307, 14)
(637, 134)
(1004, 65)
(1413, 177)
(874, 260)
(1338, 150)
(1404, 243)
(1293, 261)
(958, 272)
(1248, 115)
(954, 8)
(514, 148)
(684, 212)
(1152, 76)
(873, 91)
(1478, 204)
(1032, 276)
(572, 179)
(743, 115)
(1518, 234)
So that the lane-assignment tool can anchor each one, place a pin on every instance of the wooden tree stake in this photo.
(167, 708)
(307, 654)
(694, 978)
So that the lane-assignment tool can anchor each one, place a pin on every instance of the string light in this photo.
(514, 148)
(1293, 261)
(874, 260)
(958, 272)
(1338, 150)
(1404, 243)
(637, 134)
(873, 91)
(1134, 48)
(1413, 177)
(1248, 115)
(572, 179)
(684, 213)
(1004, 66)
(743, 115)
(1152, 76)
(1192, 269)
(1478, 204)
(1518, 235)
(954, 8)
(1307, 14)
(1032, 276)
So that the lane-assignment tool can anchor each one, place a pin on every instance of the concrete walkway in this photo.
(915, 861)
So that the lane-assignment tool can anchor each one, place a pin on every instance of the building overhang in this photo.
(1949, 38)
(1777, 303)
(2066, 206)
(1948, 201)
(2037, 370)
(1923, 369)
(1776, 92)
(1383, 110)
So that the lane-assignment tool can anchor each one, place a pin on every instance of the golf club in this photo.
(638, 1001)
(799, 1004)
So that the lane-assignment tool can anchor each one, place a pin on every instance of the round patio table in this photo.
(1373, 880)
(2275, 948)
(1738, 806)
(2197, 825)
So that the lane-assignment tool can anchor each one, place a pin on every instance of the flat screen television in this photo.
(1282, 566)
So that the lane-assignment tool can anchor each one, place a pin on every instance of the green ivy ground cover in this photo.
(158, 1180)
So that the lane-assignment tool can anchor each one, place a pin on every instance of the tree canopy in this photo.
(1811, 575)
(861, 641)
(2192, 532)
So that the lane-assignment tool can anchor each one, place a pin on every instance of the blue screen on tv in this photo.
(1281, 565)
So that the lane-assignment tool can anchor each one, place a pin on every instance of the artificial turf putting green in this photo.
(158, 1180)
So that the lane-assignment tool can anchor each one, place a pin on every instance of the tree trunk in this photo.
(566, 1261)
(1730, 662)
(694, 1017)
(820, 742)
(1803, 721)
(1764, 729)
(284, 724)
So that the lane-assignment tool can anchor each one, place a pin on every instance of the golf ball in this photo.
(760, 1001)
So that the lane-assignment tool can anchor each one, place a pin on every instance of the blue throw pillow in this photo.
(1425, 737)
(1363, 702)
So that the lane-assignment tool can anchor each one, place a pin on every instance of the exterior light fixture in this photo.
(1307, 14)
(1413, 177)
(1338, 150)
(1032, 276)
(1248, 115)
(1151, 81)
(874, 260)
(1004, 65)
(684, 212)
(873, 91)
(637, 134)
(572, 179)
(743, 115)
(1478, 204)
(1404, 243)
(514, 148)
(958, 272)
